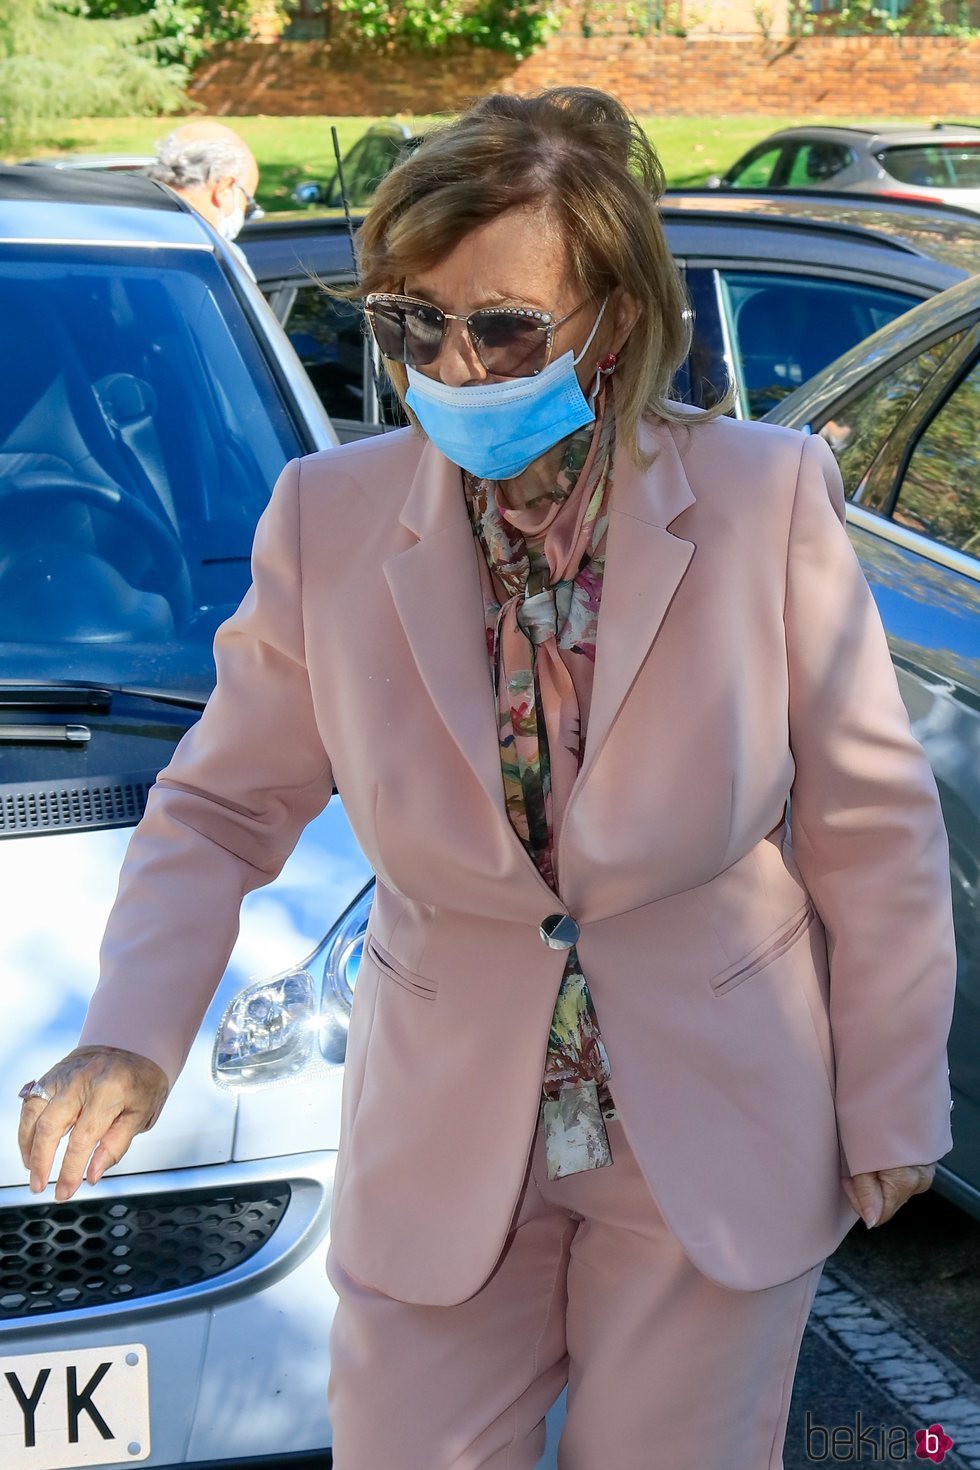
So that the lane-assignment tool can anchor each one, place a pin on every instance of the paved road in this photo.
(894, 1337)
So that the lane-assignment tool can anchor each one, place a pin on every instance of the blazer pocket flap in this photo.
(769, 949)
(395, 970)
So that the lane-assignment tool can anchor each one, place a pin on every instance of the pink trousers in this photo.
(664, 1367)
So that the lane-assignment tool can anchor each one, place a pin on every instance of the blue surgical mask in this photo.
(497, 429)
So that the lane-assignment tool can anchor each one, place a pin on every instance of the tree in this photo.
(184, 30)
(56, 63)
(516, 27)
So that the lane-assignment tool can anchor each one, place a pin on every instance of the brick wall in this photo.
(868, 75)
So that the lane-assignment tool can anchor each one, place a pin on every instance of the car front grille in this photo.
(65, 1257)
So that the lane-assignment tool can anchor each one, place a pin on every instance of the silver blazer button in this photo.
(559, 931)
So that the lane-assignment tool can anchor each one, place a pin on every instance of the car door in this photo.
(907, 449)
(331, 341)
(776, 327)
(328, 338)
(939, 497)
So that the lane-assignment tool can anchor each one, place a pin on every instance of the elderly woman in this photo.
(660, 965)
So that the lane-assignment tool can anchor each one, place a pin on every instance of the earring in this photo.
(603, 369)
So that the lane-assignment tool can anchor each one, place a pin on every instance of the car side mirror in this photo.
(713, 181)
(307, 193)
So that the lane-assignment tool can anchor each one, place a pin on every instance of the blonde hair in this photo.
(580, 154)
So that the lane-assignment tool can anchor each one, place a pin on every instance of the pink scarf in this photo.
(541, 573)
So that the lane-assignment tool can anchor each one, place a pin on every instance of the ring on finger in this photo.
(34, 1089)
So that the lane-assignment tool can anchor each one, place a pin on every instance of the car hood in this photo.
(58, 889)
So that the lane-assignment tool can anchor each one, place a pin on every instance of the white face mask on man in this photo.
(229, 225)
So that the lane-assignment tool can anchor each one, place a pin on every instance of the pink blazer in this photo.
(775, 997)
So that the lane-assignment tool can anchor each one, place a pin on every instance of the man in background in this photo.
(214, 169)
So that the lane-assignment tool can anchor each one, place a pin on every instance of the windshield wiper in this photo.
(55, 697)
(34, 734)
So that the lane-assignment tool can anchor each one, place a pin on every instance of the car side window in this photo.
(707, 366)
(861, 429)
(375, 158)
(786, 327)
(934, 165)
(355, 167)
(756, 171)
(940, 491)
(329, 339)
(814, 163)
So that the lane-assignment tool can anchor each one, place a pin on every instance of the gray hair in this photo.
(182, 163)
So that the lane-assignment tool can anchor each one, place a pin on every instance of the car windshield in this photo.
(934, 165)
(141, 431)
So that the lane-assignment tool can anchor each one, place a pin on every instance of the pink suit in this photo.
(775, 998)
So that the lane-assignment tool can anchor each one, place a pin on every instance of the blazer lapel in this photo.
(435, 585)
(645, 563)
(436, 590)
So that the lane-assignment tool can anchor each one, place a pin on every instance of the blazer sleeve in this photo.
(869, 837)
(223, 816)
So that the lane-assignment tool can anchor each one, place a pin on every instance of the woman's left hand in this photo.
(876, 1196)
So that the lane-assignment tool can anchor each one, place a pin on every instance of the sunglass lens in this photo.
(424, 326)
(407, 331)
(388, 325)
(510, 344)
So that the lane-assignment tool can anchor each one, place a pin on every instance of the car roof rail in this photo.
(857, 234)
(885, 202)
(87, 186)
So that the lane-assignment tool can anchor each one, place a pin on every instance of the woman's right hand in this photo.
(103, 1096)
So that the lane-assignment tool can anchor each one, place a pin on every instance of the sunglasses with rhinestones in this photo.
(510, 341)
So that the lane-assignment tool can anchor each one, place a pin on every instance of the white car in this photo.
(178, 1312)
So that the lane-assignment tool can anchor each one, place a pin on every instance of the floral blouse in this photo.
(541, 572)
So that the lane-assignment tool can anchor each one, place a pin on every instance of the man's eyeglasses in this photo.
(511, 342)
(253, 210)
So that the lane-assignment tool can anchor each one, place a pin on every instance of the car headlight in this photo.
(295, 1022)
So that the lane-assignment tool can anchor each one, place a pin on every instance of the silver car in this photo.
(941, 163)
(178, 1311)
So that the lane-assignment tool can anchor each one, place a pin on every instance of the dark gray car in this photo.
(779, 287)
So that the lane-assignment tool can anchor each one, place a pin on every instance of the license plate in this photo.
(85, 1407)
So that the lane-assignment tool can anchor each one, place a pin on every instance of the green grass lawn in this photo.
(290, 149)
